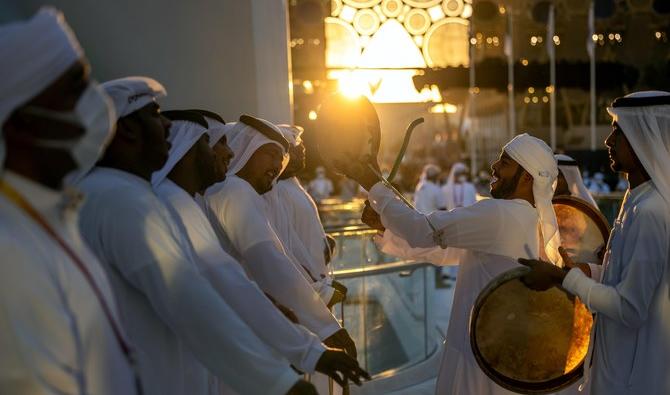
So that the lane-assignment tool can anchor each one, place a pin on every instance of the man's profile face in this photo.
(154, 128)
(506, 175)
(263, 167)
(223, 155)
(621, 154)
(205, 162)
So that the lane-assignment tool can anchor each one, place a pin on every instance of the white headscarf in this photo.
(34, 54)
(182, 137)
(573, 177)
(215, 131)
(535, 156)
(645, 121)
(129, 94)
(429, 171)
(448, 188)
(292, 133)
(244, 140)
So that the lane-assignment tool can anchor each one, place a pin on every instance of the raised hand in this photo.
(371, 218)
(341, 367)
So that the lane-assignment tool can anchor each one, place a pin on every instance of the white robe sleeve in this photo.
(302, 348)
(37, 333)
(163, 270)
(242, 216)
(470, 227)
(277, 276)
(628, 301)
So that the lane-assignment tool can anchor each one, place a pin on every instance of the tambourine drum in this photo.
(584, 230)
(527, 341)
(347, 129)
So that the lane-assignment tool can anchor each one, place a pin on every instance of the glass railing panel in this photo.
(390, 318)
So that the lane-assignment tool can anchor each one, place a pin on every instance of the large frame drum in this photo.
(527, 341)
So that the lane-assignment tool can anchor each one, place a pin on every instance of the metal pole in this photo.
(592, 66)
(509, 50)
(552, 77)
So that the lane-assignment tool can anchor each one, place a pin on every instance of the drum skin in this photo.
(347, 129)
(584, 230)
(530, 342)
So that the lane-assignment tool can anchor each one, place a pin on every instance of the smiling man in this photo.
(630, 292)
(522, 189)
(238, 214)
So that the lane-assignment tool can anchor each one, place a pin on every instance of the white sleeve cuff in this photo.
(378, 195)
(579, 284)
(313, 354)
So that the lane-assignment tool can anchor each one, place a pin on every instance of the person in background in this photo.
(570, 181)
(598, 184)
(428, 196)
(459, 192)
(60, 331)
(320, 187)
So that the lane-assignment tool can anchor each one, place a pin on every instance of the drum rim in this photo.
(518, 386)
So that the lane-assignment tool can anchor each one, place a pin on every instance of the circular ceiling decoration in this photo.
(392, 8)
(453, 7)
(417, 21)
(447, 43)
(362, 3)
(423, 3)
(366, 22)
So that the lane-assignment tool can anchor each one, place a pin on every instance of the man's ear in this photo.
(128, 128)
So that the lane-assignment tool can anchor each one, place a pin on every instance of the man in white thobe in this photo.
(295, 217)
(321, 187)
(59, 325)
(180, 325)
(570, 180)
(598, 184)
(190, 169)
(458, 191)
(238, 214)
(522, 188)
(630, 292)
(428, 196)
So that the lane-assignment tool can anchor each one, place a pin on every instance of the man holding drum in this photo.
(630, 292)
(493, 232)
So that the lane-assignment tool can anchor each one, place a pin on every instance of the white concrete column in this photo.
(274, 88)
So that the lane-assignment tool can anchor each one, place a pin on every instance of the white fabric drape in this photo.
(182, 136)
(535, 156)
(573, 176)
